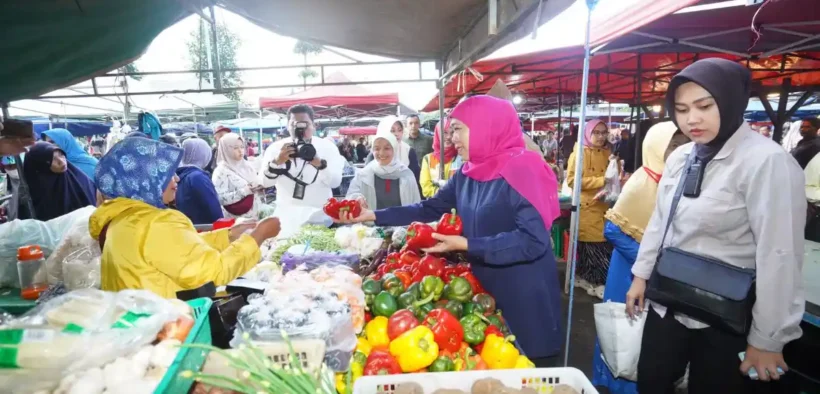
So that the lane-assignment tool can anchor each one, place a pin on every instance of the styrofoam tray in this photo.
(541, 380)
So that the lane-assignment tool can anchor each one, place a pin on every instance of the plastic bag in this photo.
(314, 259)
(360, 239)
(620, 338)
(612, 177)
(77, 331)
(76, 238)
(81, 269)
(47, 235)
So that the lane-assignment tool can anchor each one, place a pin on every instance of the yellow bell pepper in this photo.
(523, 363)
(344, 383)
(376, 332)
(415, 349)
(499, 352)
(357, 366)
(362, 345)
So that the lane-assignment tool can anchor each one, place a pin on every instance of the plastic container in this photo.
(542, 380)
(189, 359)
(31, 270)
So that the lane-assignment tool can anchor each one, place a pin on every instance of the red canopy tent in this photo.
(636, 65)
(354, 130)
(337, 101)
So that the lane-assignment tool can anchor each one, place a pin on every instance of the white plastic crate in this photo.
(541, 380)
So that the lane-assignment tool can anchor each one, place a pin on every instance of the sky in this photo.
(260, 47)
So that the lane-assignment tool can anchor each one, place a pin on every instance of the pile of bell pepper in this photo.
(426, 315)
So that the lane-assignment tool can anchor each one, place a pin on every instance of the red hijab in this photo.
(497, 150)
(449, 153)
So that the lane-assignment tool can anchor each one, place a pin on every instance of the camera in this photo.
(304, 150)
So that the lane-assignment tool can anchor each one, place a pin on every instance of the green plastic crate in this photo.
(11, 302)
(189, 359)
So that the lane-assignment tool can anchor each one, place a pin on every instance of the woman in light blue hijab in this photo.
(74, 152)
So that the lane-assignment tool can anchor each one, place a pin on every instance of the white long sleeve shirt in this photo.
(751, 213)
(317, 193)
(812, 173)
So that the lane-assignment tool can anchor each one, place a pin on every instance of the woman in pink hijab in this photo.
(507, 198)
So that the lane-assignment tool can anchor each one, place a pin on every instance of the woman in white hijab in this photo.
(235, 179)
(385, 182)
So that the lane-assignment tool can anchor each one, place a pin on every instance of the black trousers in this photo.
(712, 355)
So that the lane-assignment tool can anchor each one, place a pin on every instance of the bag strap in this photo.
(678, 193)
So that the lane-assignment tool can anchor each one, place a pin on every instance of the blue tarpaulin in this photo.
(269, 126)
(756, 113)
(180, 128)
(77, 127)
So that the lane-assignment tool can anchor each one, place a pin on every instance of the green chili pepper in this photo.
(473, 329)
(459, 290)
(384, 305)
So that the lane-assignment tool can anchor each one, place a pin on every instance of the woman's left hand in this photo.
(448, 243)
(237, 230)
(765, 363)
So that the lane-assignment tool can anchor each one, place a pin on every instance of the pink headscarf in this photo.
(497, 150)
(588, 128)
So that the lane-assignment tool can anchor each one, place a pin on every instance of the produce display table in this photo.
(11, 302)
(811, 283)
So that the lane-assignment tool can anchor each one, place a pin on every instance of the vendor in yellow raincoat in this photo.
(147, 246)
(594, 251)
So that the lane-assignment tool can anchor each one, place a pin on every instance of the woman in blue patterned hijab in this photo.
(140, 169)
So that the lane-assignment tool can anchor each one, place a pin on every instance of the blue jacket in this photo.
(510, 252)
(196, 196)
(74, 152)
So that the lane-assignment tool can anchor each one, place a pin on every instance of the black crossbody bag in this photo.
(707, 289)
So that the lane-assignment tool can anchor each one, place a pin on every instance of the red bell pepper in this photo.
(447, 330)
(380, 362)
(331, 208)
(450, 224)
(368, 317)
(462, 268)
(419, 236)
(401, 322)
(449, 273)
(392, 258)
(404, 276)
(408, 258)
(474, 283)
(431, 265)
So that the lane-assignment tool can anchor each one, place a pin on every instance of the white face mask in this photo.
(13, 174)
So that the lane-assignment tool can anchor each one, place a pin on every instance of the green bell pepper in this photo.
(442, 364)
(485, 303)
(459, 290)
(371, 286)
(468, 308)
(431, 288)
(368, 301)
(496, 320)
(421, 310)
(454, 307)
(392, 285)
(407, 299)
(473, 328)
(385, 305)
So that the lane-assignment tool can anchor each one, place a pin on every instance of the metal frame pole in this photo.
(441, 86)
(576, 192)
(5, 107)
(215, 52)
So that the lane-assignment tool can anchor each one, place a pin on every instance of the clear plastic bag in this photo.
(81, 269)
(313, 259)
(77, 331)
(47, 235)
(76, 238)
(612, 177)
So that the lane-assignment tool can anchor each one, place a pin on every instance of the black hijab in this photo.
(54, 194)
(729, 83)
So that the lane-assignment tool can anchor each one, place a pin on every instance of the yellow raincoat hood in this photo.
(637, 200)
(160, 250)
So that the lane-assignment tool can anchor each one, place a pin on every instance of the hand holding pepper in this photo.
(448, 243)
(450, 224)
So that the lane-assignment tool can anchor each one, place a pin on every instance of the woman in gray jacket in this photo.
(743, 204)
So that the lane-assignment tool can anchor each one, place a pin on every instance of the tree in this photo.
(305, 48)
(132, 68)
(228, 43)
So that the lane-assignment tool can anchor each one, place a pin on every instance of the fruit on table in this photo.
(371, 286)
(363, 346)
(459, 290)
(431, 288)
(485, 303)
(499, 352)
(454, 307)
(392, 285)
(420, 310)
(442, 364)
(431, 265)
(523, 363)
(380, 362)
(415, 349)
(376, 332)
(401, 322)
(384, 304)
(473, 329)
(446, 329)
(419, 236)
(476, 285)
(409, 297)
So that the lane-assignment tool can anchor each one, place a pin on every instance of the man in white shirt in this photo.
(297, 181)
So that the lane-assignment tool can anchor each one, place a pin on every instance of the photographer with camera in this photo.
(303, 169)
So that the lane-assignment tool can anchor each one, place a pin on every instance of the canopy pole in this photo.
(576, 192)
(5, 107)
(638, 130)
(215, 52)
(441, 85)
